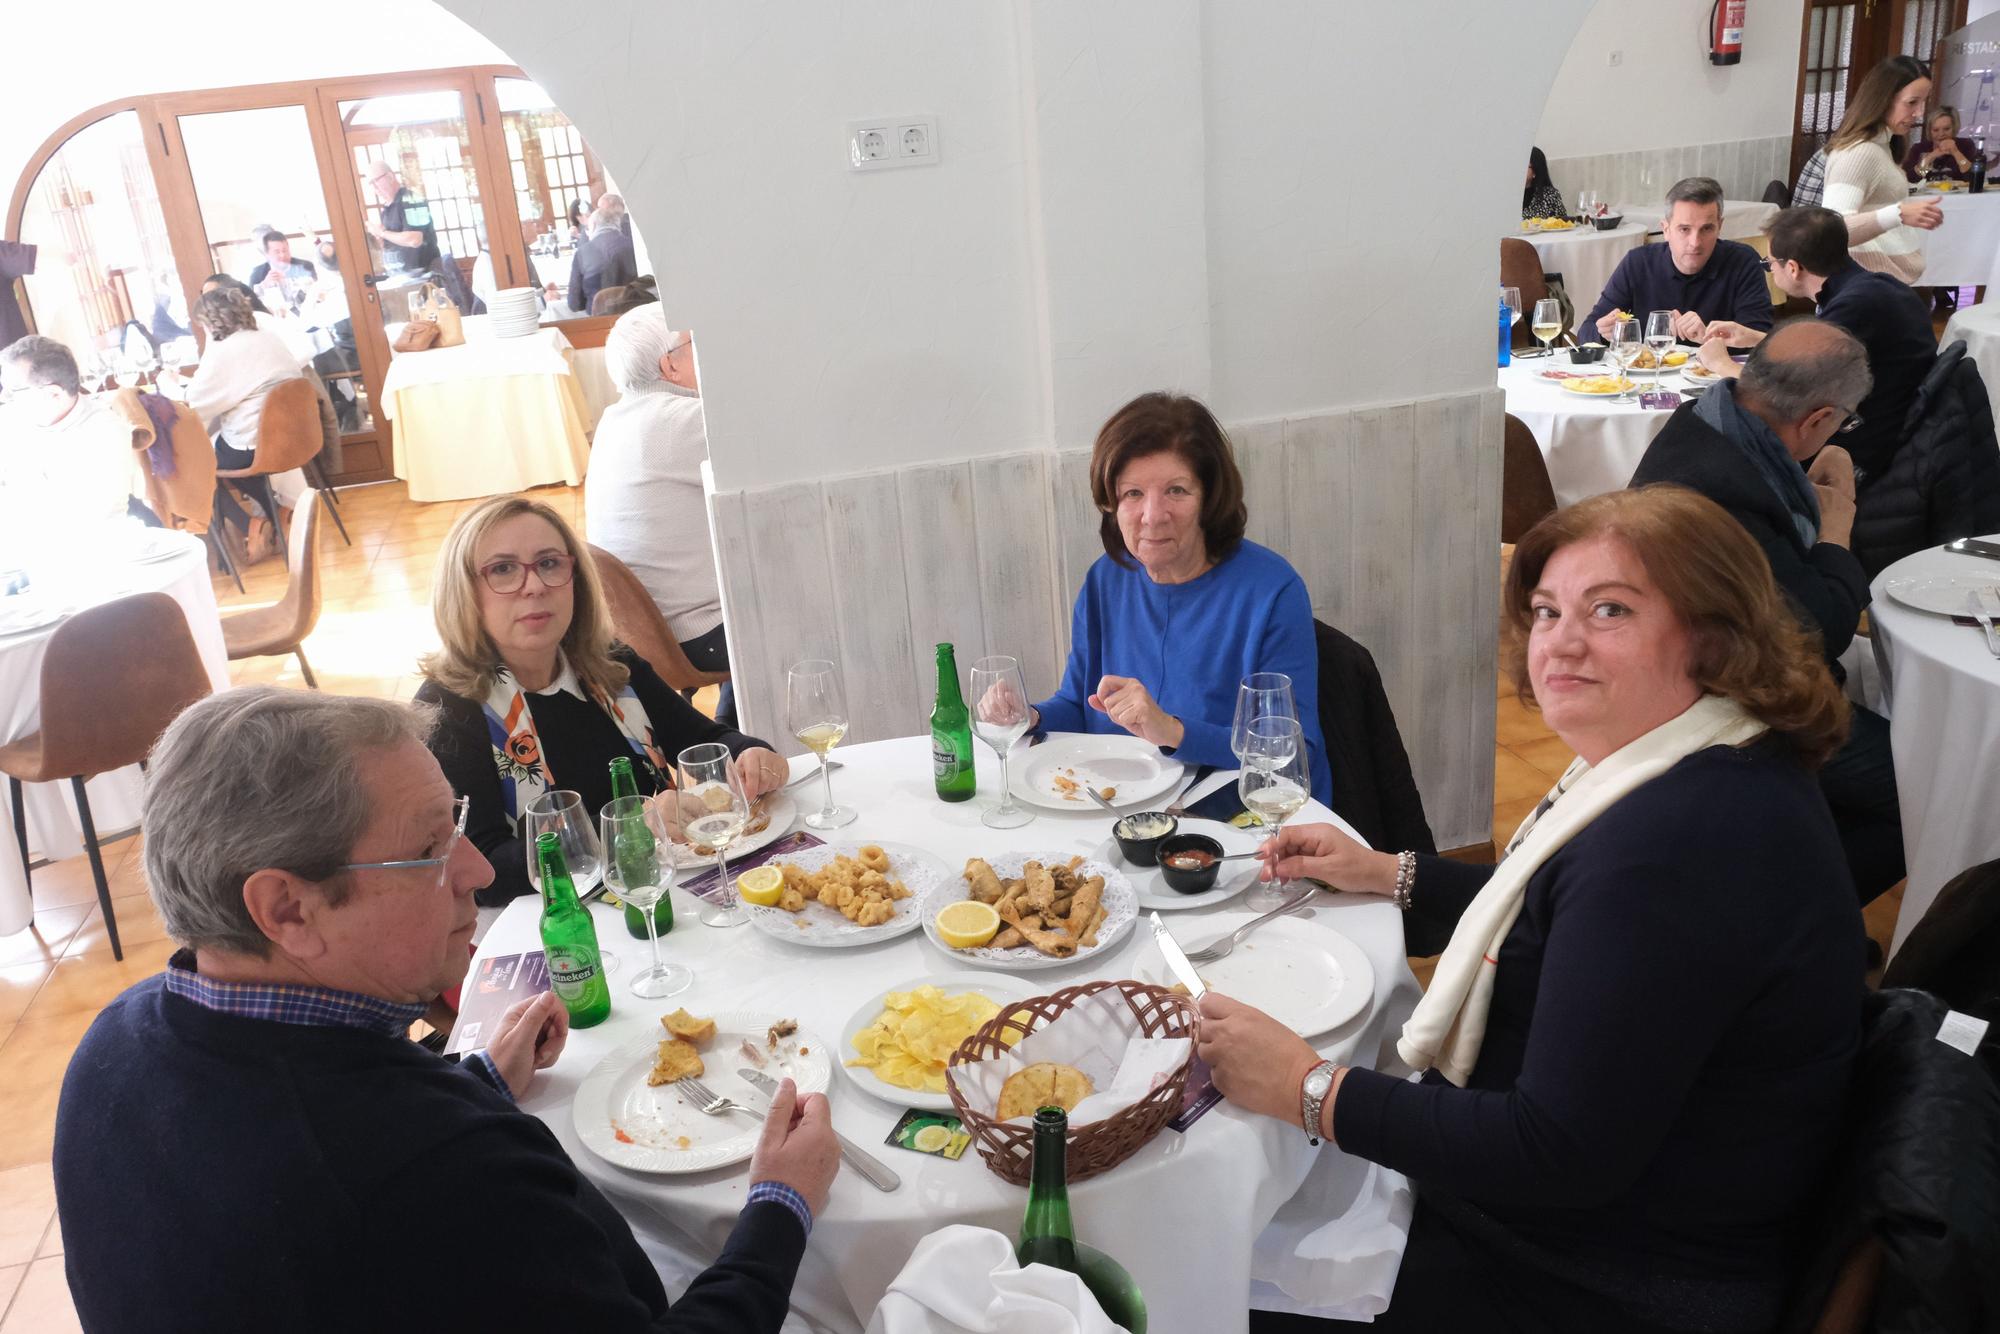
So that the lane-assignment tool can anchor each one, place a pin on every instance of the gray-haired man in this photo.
(67, 467)
(250, 1140)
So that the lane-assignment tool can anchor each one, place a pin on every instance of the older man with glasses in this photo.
(250, 1140)
(1746, 444)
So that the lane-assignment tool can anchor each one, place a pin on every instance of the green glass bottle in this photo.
(569, 940)
(637, 847)
(951, 733)
(1049, 1238)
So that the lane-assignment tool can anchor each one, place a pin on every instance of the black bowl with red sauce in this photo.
(1189, 863)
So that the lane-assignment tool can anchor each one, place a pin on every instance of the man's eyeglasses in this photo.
(461, 808)
(1848, 422)
(511, 576)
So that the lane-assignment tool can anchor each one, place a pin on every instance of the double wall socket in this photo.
(892, 141)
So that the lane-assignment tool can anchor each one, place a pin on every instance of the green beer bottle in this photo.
(633, 849)
(1048, 1237)
(951, 733)
(569, 940)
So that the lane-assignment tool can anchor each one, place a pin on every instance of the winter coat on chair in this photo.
(1944, 481)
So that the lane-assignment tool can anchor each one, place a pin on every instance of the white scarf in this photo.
(1449, 1023)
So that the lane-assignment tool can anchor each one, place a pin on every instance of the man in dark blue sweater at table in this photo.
(1693, 273)
(250, 1140)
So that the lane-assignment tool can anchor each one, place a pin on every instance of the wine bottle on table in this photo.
(569, 940)
(951, 733)
(1976, 182)
(1049, 1238)
(633, 849)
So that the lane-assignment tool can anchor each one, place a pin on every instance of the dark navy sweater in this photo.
(216, 1173)
(1729, 287)
(1664, 1073)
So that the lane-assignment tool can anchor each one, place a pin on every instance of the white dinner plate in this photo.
(1121, 905)
(1939, 594)
(1571, 387)
(19, 615)
(1307, 976)
(1151, 886)
(783, 813)
(1133, 769)
(996, 987)
(624, 1120)
(821, 927)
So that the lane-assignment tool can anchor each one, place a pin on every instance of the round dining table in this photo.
(140, 561)
(1585, 257)
(1591, 445)
(1941, 691)
(1235, 1210)
(1978, 327)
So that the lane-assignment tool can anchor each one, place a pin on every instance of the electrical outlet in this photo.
(901, 141)
(914, 140)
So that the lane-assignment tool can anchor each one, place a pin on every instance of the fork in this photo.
(1220, 949)
(711, 1103)
(1986, 610)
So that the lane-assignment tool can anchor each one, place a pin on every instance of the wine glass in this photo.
(1547, 323)
(561, 813)
(641, 877)
(1660, 339)
(1273, 787)
(1510, 297)
(1000, 719)
(1623, 349)
(1260, 695)
(1586, 205)
(818, 714)
(709, 774)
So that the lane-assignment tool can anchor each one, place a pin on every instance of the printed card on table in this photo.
(489, 989)
(707, 883)
(1201, 1095)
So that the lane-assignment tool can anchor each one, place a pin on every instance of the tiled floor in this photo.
(374, 623)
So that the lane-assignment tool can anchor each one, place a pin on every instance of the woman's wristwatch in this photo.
(1312, 1098)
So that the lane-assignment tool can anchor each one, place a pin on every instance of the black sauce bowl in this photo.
(1190, 882)
(1143, 851)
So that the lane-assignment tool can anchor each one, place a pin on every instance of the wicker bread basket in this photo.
(1008, 1147)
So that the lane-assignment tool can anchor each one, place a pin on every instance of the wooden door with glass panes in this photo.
(1842, 40)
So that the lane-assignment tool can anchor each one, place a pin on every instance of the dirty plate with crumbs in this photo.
(657, 1128)
(1306, 975)
(1054, 774)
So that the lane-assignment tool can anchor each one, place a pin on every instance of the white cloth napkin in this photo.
(964, 1280)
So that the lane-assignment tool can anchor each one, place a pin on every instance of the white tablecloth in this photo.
(481, 356)
(1585, 257)
(1184, 1214)
(1965, 250)
(1979, 327)
(1592, 445)
(1942, 694)
(180, 571)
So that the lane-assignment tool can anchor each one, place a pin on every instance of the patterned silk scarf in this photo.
(517, 749)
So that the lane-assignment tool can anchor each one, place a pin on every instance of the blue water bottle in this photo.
(1506, 336)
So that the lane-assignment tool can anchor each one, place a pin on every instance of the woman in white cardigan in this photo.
(1864, 178)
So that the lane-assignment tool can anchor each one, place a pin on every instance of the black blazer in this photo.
(1373, 789)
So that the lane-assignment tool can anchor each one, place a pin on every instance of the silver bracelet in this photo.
(1406, 880)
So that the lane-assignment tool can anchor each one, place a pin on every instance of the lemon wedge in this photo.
(761, 885)
(968, 925)
(931, 1139)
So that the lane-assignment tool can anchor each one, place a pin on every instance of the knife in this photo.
(877, 1173)
(1177, 959)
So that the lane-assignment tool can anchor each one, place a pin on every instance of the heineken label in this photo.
(570, 972)
(944, 757)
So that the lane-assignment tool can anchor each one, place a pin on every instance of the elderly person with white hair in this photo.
(645, 503)
(259, 1116)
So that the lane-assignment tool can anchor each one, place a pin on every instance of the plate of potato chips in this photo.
(895, 1046)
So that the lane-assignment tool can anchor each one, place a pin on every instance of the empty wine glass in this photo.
(709, 774)
(818, 715)
(1000, 718)
(561, 813)
(1260, 695)
(1660, 339)
(1510, 297)
(1547, 323)
(1273, 787)
(1586, 205)
(641, 877)
(1622, 346)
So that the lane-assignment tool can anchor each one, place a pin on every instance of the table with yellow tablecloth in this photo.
(490, 416)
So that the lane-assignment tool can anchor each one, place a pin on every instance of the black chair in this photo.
(1954, 951)
(1373, 788)
(1777, 192)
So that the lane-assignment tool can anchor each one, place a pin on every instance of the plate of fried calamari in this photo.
(1053, 908)
(846, 894)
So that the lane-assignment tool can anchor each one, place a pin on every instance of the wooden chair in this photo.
(113, 678)
(1521, 267)
(288, 436)
(283, 626)
(1526, 495)
(637, 622)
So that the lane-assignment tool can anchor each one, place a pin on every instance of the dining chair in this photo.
(282, 627)
(103, 705)
(289, 436)
(1526, 494)
(1779, 193)
(637, 621)
(1521, 268)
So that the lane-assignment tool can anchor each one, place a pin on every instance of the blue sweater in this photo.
(1191, 645)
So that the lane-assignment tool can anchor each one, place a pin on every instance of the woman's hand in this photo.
(528, 1038)
(1129, 704)
(1256, 1062)
(1926, 214)
(763, 770)
(1322, 852)
(669, 812)
(1002, 706)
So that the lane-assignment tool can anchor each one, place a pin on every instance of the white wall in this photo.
(1664, 93)
(1979, 9)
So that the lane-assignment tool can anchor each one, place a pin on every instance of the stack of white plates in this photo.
(512, 312)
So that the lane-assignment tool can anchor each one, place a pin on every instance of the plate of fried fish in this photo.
(845, 894)
(1052, 908)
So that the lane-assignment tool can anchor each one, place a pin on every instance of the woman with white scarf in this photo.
(1636, 1047)
(645, 503)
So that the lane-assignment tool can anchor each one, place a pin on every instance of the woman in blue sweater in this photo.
(1180, 608)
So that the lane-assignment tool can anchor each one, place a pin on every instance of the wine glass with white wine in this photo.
(1001, 719)
(642, 878)
(818, 714)
(1547, 325)
(709, 776)
(1273, 787)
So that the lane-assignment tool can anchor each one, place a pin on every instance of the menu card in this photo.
(1201, 1095)
(708, 883)
(495, 985)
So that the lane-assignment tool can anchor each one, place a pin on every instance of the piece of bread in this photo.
(684, 1025)
(1044, 1085)
(676, 1060)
